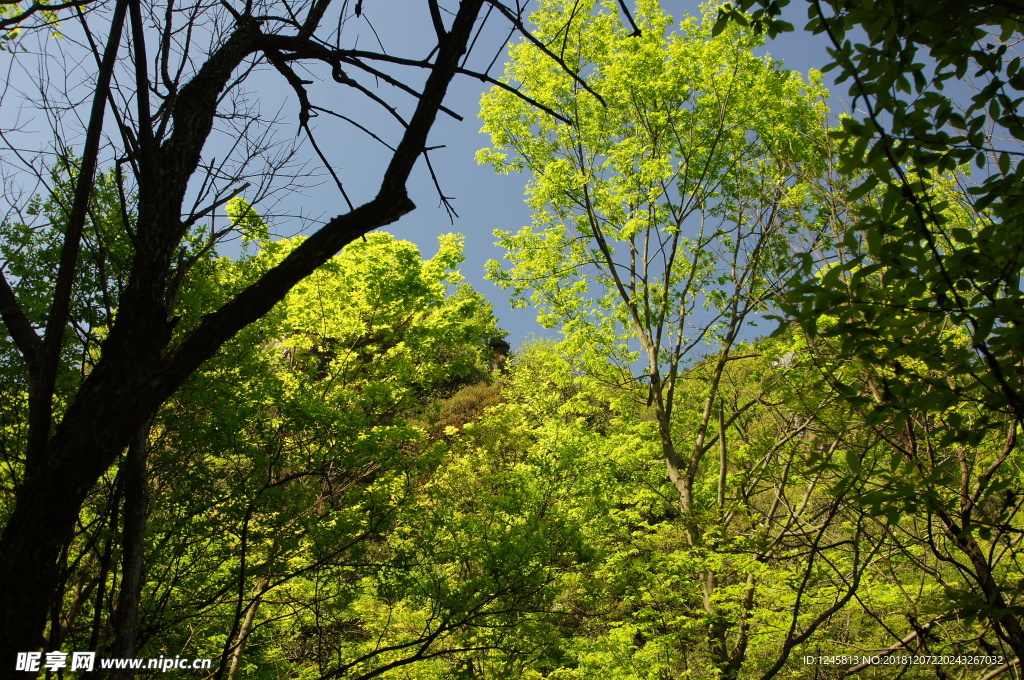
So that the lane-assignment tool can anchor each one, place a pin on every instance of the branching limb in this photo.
(20, 328)
(12, 22)
(40, 411)
(518, 23)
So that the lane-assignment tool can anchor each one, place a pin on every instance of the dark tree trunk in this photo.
(136, 504)
(139, 367)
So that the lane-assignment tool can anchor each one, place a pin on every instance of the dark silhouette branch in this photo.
(41, 408)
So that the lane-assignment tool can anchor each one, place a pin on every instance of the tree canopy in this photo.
(778, 429)
(167, 112)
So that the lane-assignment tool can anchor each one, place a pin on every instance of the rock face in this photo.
(499, 354)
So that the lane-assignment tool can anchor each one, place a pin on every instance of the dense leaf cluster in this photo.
(364, 483)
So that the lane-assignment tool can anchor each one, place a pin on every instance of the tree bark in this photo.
(139, 368)
(1004, 620)
(42, 375)
(248, 621)
(136, 503)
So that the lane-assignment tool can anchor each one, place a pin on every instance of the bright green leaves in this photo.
(664, 216)
(288, 471)
(16, 17)
(247, 221)
(942, 93)
(694, 134)
(680, 196)
(380, 302)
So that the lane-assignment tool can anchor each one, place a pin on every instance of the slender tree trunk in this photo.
(136, 504)
(1005, 622)
(139, 367)
(681, 473)
(235, 663)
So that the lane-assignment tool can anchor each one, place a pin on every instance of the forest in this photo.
(773, 432)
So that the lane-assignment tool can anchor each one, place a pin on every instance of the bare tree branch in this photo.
(53, 337)
(20, 328)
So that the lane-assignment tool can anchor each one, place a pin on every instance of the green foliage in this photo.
(950, 252)
(298, 459)
(922, 301)
(279, 470)
(671, 161)
(351, 489)
(665, 209)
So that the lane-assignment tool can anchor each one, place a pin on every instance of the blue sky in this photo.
(483, 200)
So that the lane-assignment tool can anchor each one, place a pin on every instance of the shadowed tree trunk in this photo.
(141, 363)
(235, 663)
(136, 503)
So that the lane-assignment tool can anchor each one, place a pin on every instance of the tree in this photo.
(18, 17)
(261, 474)
(168, 80)
(914, 379)
(665, 213)
(932, 253)
(270, 509)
